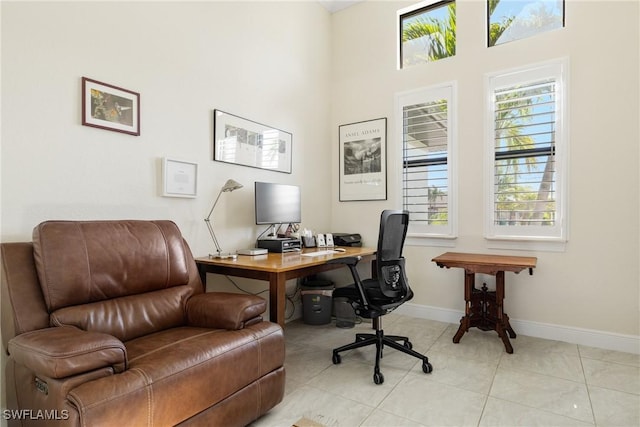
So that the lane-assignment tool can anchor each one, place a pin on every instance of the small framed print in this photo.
(179, 178)
(363, 160)
(110, 107)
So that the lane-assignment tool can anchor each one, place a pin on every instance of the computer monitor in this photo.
(277, 203)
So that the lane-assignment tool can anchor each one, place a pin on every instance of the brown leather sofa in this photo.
(106, 323)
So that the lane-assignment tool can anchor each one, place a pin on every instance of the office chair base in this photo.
(380, 340)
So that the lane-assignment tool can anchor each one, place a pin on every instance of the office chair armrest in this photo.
(349, 260)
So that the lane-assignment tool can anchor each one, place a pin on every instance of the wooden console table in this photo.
(277, 268)
(483, 308)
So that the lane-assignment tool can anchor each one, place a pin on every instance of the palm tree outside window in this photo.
(528, 144)
(428, 32)
(510, 20)
(428, 135)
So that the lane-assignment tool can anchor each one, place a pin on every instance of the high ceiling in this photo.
(336, 5)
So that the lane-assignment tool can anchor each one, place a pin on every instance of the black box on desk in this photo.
(281, 244)
(347, 239)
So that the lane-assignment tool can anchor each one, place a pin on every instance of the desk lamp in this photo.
(228, 187)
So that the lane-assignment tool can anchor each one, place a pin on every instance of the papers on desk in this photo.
(320, 253)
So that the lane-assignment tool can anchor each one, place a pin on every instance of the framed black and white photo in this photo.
(248, 143)
(110, 107)
(179, 178)
(363, 160)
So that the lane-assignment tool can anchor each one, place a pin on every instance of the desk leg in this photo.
(502, 322)
(469, 282)
(202, 271)
(277, 301)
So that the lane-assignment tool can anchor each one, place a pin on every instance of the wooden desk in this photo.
(277, 268)
(483, 308)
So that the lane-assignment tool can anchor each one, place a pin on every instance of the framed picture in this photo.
(179, 178)
(248, 143)
(110, 107)
(363, 160)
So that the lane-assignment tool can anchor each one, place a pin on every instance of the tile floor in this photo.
(473, 383)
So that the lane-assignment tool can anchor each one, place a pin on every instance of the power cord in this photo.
(292, 300)
(244, 290)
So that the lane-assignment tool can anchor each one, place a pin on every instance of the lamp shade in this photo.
(231, 185)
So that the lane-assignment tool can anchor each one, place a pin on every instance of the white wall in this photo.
(593, 285)
(266, 61)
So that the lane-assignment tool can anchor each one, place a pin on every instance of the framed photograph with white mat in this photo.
(363, 160)
(245, 142)
(179, 178)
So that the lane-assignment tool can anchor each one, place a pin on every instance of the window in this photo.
(428, 143)
(527, 146)
(427, 32)
(510, 20)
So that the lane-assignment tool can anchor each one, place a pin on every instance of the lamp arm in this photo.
(213, 235)
(210, 227)
(214, 206)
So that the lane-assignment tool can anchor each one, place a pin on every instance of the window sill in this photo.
(439, 241)
(526, 244)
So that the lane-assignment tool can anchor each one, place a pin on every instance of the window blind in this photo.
(525, 147)
(425, 162)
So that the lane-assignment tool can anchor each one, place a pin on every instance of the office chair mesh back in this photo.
(393, 230)
(390, 263)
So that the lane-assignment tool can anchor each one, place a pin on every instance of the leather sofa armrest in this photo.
(224, 310)
(60, 352)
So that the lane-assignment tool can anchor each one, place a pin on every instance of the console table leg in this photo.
(500, 329)
(469, 282)
(502, 321)
(508, 327)
(464, 327)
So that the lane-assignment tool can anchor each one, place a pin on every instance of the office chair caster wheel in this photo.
(427, 368)
(336, 359)
(378, 378)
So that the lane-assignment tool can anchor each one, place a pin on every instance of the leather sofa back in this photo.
(80, 262)
(23, 308)
(96, 275)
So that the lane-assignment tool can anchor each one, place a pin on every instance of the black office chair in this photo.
(375, 297)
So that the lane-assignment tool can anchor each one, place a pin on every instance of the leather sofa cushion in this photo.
(128, 317)
(179, 362)
(82, 262)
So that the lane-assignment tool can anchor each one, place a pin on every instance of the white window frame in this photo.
(432, 235)
(415, 9)
(553, 237)
(541, 29)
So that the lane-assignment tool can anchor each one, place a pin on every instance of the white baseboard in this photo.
(587, 337)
